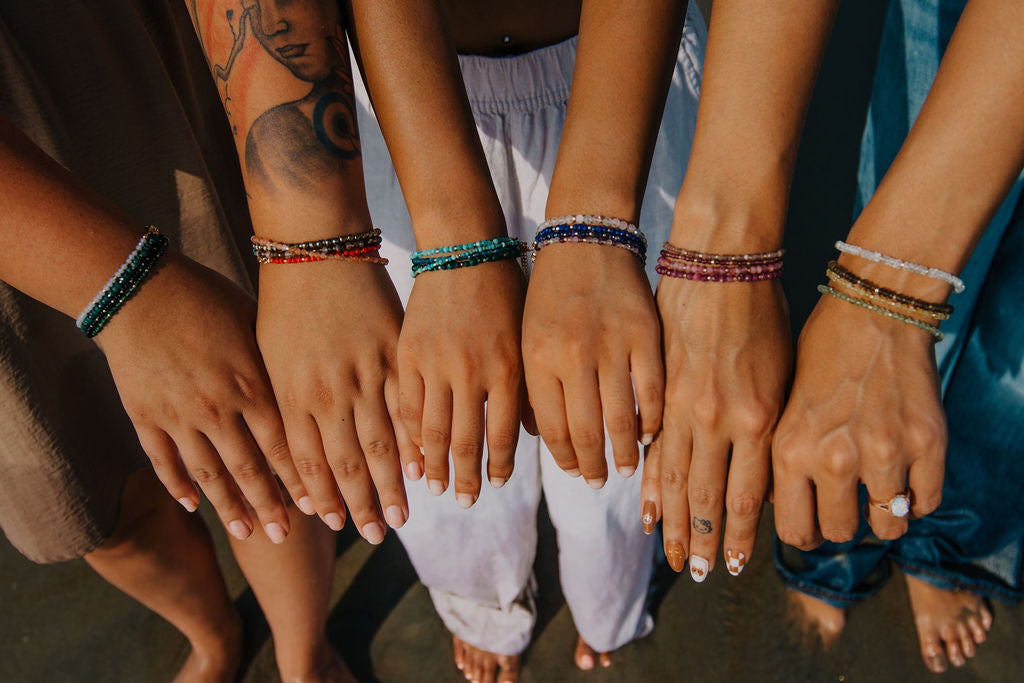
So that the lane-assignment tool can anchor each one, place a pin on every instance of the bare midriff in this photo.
(507, 27)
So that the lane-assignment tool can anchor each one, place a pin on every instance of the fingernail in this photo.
(595, 483)
(465, 500)
(735, 561)
(413, 471)
(395, 516)
(574, 472)
(937, 664)
(333, 520)
(188, 504)
(239, 529)
(436, 486)
(698, 568)
(586, 662)
(373, 532)
(626, 470)
(676, 556)
(305, 504)
(647, 516)
(275, 532)
(497, 482)
(647, 439)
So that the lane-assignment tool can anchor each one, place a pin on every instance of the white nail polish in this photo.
(647, 439)
(188, 504)
(735, 561)
(698, 568)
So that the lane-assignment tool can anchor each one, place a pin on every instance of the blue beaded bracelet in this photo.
(627, 237)
(465, 255)
(125, 282)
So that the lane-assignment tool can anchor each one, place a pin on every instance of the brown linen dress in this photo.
(119, 93)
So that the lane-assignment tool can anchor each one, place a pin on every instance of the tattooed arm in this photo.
(284, 74)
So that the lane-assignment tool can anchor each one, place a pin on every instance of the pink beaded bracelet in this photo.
(695, 265)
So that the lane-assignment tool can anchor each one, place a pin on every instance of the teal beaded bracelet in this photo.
(123, 285)
(465, 255)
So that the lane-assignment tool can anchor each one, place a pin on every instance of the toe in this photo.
(460, 654)
(509, 671)
(932, 651)
(986, 617)
(605, 659)
(966, 641)
(953, 651)
(977, 631)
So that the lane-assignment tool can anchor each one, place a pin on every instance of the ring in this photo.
(897, 506)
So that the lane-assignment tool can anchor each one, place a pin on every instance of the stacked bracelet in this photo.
(613, 232)
(361, 246)
(870, 290)
(695, 265)
(465, 255)
(899, 264)
(930, 329)
(123, 284)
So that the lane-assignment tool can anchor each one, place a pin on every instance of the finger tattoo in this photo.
(702, 526)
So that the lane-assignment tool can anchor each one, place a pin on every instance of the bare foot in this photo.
(816, 619)
(950, 624)
(587, 657)
(479, 665)
(214, 659)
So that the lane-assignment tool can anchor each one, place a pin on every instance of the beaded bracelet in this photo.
(465, 255)
(868, 289)
(930, 329)
(606, 231)
(125, 282)
(361, 246)
(899, 264)
(587, 219)
(695, 265)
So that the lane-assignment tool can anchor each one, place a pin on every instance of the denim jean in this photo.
(975, 539)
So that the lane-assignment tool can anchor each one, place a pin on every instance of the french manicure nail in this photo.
(465, 500)
(647, 439)
(333, 520)
(305, 504)
(239, 529)
(395, 516)
(188, 504)
(676, 556)
(735, 561)
(497, 482)
(698, 568)
(373, 532)
(275, 532)
(647, 516)
(413, 471)
(574, 472)
(436, 486)
(626, 470)
(595, 484)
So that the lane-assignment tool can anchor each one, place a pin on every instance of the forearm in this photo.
(960, 158)
(412, 74)
(761, 62)
(623, 69)
(62, 241)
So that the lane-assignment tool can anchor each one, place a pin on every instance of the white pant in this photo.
(478, 563)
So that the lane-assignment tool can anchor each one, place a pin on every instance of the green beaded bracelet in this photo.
(930, 329)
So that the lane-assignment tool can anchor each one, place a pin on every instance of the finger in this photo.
(467, 444)
(706, 489)
(264, 423)
(251, 472)
(650, 487)
(311, 463)
(744, 497)
(502, 435)
(437, 434)
(619, 408)
(527, 417)
(648, 372)
(794, 498)
(347, 461)
(410, 397)
(409, 453)
(167, 465)
(586, 428)
(674, 464)
(884, 484)
(548, 402)
(836, 487)
(377, 439)
(212, 476)
(925, 482)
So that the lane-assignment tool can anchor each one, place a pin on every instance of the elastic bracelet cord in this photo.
(123, 285)
(466, 255)
(583, 228)
(706, 267)
(899, 264)
(870, 290)
(933, 330)
(361, 246)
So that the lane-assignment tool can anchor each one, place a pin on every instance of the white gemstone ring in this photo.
(897, 506)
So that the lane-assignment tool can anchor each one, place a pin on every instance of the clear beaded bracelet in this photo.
(466, 255)
(124, 284)
(899, 264)
(933, 330)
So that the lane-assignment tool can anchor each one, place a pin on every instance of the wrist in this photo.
(731, 220)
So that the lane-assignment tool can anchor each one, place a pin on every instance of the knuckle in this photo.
(208, 475)
(207, 406)
(436, 436)
(929, 504)
(323, 395)
(756, 420)
(705, 497)
(409, 412)
(249, 390)
(707, 411)
(502, 440)
(588, 439)
(288, 401)
(837, 534)
(794, 537)
(926, 436)
(673, 479)
(840, 461)
(310, 467)
(651, 393)
(557, 439)
(744, 505)
(467, 484)
(888, 532)
(622, 423)
(466, 449)
(278, 452)
(379, 449)
(348, 468)
(247, 472)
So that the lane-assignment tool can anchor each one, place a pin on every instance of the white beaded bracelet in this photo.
(899, 264)
(581, 219)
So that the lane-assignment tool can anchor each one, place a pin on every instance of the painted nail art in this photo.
(735, 561)
(698, 568)
(676, 556)
(647, 516)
